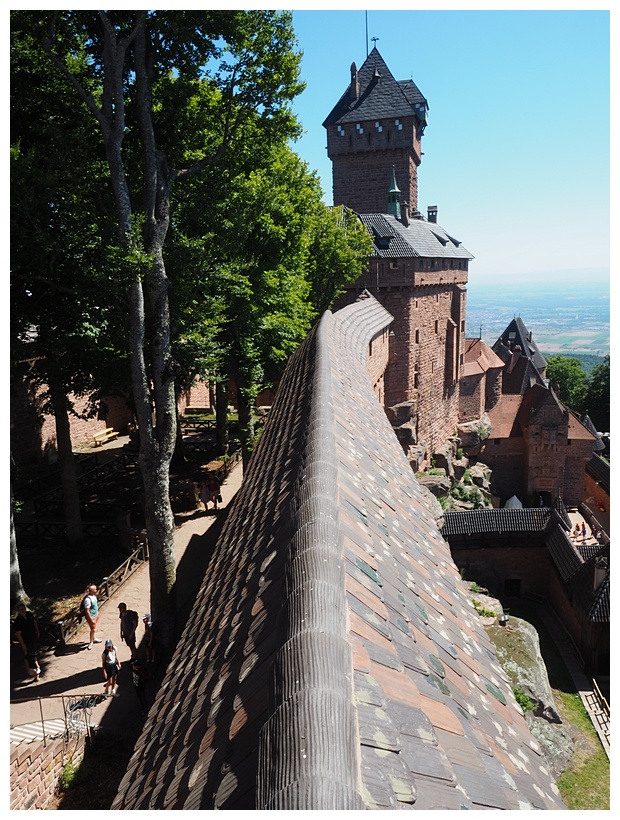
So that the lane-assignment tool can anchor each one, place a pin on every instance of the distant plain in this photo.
(567, 316)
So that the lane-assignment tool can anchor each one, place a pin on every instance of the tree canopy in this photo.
(173, 208)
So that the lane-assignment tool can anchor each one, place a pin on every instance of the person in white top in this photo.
(111, 667)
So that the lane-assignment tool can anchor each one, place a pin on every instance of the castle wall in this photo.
(471, 397)
(427, 301)
(377, 361)
(33, 432)
(506, 457)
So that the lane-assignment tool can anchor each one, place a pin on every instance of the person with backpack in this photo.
(129, 623)
(111, 667)
(90, 610)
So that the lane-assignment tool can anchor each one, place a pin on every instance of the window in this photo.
(436, 326)
(359, 128)
(417, 337)
(340, 131)
(379, 127)
(399, 125)
(393, 264)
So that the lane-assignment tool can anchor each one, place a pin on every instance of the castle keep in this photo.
(417, 271)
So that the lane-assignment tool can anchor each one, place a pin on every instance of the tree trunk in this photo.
(68, 476)
(246, 425)
(178, 456)
(221, 417)
(18, 593)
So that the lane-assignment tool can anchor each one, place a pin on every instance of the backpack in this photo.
(83, 607)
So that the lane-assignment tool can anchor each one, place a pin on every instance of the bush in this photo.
(524, 701)
(69, 775)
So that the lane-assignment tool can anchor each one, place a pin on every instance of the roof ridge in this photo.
(311, 729)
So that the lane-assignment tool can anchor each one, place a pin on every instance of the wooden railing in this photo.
(60, 631)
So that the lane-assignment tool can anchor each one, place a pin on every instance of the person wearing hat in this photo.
(111, 668)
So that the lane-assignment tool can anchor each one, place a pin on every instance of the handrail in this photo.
(602, 701)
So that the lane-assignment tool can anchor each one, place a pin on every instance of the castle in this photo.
(438, 379)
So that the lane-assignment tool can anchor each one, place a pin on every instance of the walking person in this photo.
(213, 490)
(129, 623)
(584, 533)
(90, 610)
(26, 631)
(111, 667)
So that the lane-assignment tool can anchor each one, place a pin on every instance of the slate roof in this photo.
(517, 334)
(419, 238)
(598, 468)
(380, 96)
(471, 522)
(333, 659)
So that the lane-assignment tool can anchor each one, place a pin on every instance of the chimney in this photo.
(432, 213)
(354, 88)
(404, 213)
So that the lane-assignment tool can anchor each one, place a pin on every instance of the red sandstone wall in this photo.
(362, 163)
(33, 433)
(35, 769)
(595, 491)
(491, 567)
(506, 458)
(377, 361)
(471, 404)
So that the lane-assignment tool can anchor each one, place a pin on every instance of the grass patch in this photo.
(586, 785)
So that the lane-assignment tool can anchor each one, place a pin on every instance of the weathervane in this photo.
(374, 39)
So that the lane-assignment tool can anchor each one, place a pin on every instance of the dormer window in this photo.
(359, 128)
(398, 124)
(340, 131)
(378, 127)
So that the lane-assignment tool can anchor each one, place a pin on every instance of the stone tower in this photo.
(418, 271)
(376, 128)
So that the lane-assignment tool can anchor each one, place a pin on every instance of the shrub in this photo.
(524, 701)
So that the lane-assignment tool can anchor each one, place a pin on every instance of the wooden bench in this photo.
(109, 434)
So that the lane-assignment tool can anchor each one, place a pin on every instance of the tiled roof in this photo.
(598, 445)
(333, 659)
(380, 96)
(598, 468)
(419, 238)
(564, 553)
(471, 522)
(479, 358)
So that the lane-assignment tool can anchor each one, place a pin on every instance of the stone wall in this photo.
(471, 397)
(377, 361)
(363, 156)
(35, 768)
(33, 432)
(492, 567)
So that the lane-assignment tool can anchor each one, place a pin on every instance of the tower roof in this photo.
(518, 335)
(374, 94)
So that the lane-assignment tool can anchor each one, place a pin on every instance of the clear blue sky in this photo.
(516, 151)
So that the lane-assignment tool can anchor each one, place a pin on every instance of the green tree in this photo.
(148, 69)
(569, 381)
(61, 297)
(597, 400)
(339, 249)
